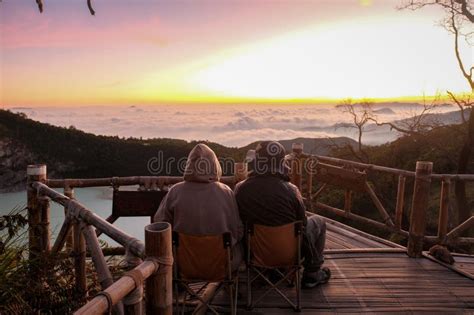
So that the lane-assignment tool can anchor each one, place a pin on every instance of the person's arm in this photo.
(238, 197)
(165, 210)
(300, 207)
(234, 222)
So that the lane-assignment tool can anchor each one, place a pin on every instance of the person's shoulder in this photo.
(291, 187)
(176, 188)
(241, 186)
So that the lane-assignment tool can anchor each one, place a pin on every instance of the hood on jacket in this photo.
(202, 165)
(270, 159)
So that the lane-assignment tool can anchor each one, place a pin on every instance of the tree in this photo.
(361, 114)
(459, 21)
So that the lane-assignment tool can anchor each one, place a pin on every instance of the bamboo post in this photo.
(79, 253)
(400, 201)
(348, 200)
(443, 209)
(133, 302)
(69, 192)
(117, 291)
(103, 271)
(159, 287)
(421, 193)
(37, 208)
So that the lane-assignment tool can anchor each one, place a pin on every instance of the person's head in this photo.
(202, 165)
(270, 159)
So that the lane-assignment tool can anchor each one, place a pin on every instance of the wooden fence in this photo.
(353, 177)
(81, 225)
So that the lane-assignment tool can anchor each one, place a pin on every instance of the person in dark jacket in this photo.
(267, 197)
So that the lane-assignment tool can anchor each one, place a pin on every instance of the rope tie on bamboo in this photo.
(110, 302)
(162, 264)
(136, 295)
(113, 183)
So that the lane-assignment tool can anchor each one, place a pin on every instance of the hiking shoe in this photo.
(313, 279)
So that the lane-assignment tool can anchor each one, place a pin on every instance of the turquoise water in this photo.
(97, 199)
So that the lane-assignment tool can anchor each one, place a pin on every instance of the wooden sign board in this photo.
(342, 178)
(136, 203)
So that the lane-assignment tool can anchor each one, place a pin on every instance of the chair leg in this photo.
(236, 305)
(230, 286)
(249, 289)
(183, 306)
(298, 289)
(176, 294)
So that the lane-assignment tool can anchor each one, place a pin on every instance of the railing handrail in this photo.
(77, 210)
(156, 181)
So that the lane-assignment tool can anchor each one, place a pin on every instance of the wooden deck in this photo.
(371, 275)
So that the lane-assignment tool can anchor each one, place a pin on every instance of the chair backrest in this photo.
(275, 246)
(202, 257)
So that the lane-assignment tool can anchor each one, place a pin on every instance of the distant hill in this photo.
(69, 152)
(319, 146)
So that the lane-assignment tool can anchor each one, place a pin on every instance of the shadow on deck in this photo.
(370, 274)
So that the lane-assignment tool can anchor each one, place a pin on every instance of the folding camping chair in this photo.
(274, 248)
(204, 259)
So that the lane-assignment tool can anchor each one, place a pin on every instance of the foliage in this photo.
(43, 284)
(73, 153)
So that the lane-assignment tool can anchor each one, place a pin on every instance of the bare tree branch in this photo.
(40, 5)
(465, 10)
(455, 29)
(89, 5)
(361, 115)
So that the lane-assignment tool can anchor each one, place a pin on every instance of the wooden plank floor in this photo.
(341, 236)
(366, 280)
(379, 282)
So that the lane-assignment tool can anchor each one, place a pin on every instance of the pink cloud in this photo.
(33, 30)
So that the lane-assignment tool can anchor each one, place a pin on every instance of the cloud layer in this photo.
(231, 125)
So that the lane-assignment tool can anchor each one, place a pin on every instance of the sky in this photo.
(146, 52)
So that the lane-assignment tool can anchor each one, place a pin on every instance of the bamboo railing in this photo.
(81, 225)
(124, 295)
(352, 176)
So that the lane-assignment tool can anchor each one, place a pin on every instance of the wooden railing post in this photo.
(159, 287)
(69, 192)
(79, 253)
(443, 209)
(38, 212)
(419, 206)
(400, 201)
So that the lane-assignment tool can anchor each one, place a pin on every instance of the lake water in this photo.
(97, 199)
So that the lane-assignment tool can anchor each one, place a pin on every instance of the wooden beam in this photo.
(36, 231)
(103, 273)
(82, 213)
(360, 219)
(385, 216)
(79, 253)
(420, 202)
(118, 290)
(158, 181)
(66, 228)
(400, 201)
(444, 209)
(159, 287)
(69, 192)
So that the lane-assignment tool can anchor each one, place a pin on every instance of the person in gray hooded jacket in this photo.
(201, 205)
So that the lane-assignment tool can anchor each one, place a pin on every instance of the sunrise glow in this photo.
(159, 53)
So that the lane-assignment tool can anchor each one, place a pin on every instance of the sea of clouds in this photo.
(230, 125)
